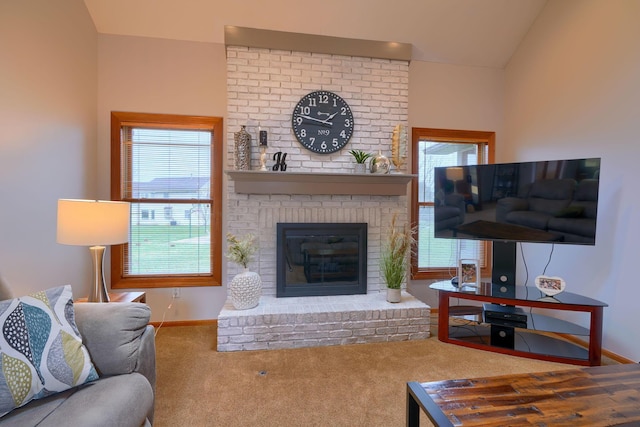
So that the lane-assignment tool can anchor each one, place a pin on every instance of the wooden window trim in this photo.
(170, 121)
(447, 135)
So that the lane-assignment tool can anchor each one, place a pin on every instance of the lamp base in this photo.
(98, 287)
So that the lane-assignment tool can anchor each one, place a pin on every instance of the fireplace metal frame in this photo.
(284, 289)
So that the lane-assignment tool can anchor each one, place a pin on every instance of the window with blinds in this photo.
(432, 257)
(168, 168)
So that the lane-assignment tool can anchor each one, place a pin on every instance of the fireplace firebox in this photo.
(315, 259)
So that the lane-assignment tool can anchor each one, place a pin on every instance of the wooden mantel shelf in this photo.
(257, 182)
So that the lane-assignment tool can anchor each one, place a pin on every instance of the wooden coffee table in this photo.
(594, 396)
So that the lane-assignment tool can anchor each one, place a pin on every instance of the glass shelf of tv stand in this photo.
(536, 322)
(530, 294)
(458, 325)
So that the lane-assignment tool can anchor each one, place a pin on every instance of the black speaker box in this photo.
(504, 263)
(502, 336)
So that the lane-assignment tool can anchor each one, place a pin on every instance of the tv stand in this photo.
(540, 337)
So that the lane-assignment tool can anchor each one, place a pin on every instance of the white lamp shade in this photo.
(455, 174)
(92, 222)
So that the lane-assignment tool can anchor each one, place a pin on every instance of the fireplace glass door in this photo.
(315, 259)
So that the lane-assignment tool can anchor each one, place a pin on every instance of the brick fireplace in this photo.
(263, 86)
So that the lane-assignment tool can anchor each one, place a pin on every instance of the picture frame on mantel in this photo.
(469, 273)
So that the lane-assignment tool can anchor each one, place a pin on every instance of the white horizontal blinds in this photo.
(167, 179)
(167, 163)
(442, 253)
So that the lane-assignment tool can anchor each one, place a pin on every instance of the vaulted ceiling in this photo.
(465, 32)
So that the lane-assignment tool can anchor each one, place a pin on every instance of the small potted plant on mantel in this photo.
(394, 261)
(245, 288)
(360, 157)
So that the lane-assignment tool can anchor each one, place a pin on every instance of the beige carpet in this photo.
(355, 385)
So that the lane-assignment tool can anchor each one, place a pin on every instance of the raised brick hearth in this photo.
(278, 323)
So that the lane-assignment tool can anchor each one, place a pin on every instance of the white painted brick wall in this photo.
(263, 87)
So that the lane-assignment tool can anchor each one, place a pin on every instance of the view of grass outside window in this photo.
(168, 176)
(437, 257)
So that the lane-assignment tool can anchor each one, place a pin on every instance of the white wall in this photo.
(48, 52)
(572, 90)
(148, 75)
(446, 96)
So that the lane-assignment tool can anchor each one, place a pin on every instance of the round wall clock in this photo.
(322, 122)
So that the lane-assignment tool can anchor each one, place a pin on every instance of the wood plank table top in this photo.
(592, 396)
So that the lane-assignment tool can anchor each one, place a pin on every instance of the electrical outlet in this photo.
(176, 292)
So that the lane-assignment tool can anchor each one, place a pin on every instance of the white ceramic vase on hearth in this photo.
(245, 289)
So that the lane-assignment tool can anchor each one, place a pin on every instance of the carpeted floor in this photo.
(355, 385)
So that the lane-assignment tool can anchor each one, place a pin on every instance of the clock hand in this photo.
(330, 117)
(324, 122)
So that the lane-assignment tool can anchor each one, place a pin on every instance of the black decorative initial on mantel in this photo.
(280, 158)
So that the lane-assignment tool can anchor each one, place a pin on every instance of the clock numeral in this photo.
(323, 145)
(335, 142)
(323, 98)
(303, 133)
(343, 111)
(347, 123)
(312, 140)
(299, 120)
(305, 110)
(343, 134)
(312, 103)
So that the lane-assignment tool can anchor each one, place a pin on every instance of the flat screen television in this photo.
(554, 201)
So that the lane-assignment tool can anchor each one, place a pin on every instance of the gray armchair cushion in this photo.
(121, 400)
(530, 219)
(119, 339)
(510, 204)
(553, 189)
(450, 212)
(586, 197)
(112, 333)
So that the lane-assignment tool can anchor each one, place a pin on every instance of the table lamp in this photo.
(94, 223)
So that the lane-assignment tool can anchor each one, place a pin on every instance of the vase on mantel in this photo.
(242, 152)
(359, 168)
(245, 289)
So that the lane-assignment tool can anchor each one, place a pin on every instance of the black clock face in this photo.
(322, 122)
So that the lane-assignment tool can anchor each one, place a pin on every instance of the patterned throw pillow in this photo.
(41, 351)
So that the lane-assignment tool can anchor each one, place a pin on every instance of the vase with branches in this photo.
(245, 288)
(394, 261)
